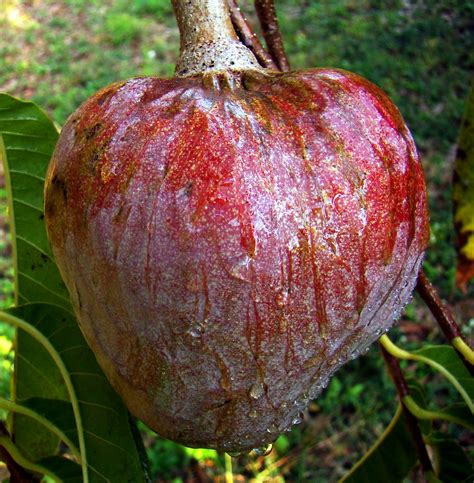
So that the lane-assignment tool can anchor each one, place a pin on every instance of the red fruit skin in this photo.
(227, 249)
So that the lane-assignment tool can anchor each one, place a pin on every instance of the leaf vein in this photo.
(29, 205)
(17, 171)
(36, 247)
(43, 286)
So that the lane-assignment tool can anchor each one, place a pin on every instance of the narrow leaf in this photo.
(390, 459)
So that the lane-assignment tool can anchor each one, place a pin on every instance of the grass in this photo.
(59, 53)
(421, 53)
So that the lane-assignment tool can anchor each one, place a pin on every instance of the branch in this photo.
(248, 37)
(445, 319)
(441, 313)
(412, 423)
(268, 20)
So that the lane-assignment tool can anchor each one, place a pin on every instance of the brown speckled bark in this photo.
(208, 40)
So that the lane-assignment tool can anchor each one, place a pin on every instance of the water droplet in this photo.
(281, 298)
(273, 428)
(354, 355)
(253, 413)
(256, 391)
(196, 331)
(293, 243)
(298, 419)
(241, 270)
(263, 450)
(193, 284)
(302, 401)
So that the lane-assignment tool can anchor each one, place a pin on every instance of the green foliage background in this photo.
(420, 52)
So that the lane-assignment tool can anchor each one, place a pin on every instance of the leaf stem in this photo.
(411, 421)
(17, 472)
(399, 353)
(229, 475)
(35, 333)
(271, 31)
(460, 345)
(15, 454)
(374, 447)
(18, 408)
(248, 37)
(421, 413)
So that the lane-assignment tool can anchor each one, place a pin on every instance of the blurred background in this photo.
(57, 53)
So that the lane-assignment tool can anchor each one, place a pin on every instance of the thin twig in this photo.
(248, 37)
(268, 20)
(412, 423)
(443, 316)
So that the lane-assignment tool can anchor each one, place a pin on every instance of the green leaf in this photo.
(390, 459)
(56, 416)
(449, 359)
(27, 140)
(24, 462)
(418, 394)
(444, 360)
(57, 412)
(104, 426)
(457, 413)
(67, 470)
(451, 463)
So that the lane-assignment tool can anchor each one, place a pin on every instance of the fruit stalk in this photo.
(208, 40)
